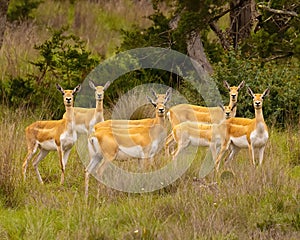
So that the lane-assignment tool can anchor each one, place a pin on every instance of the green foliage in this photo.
(276, 35)
(20, 10)
(158, 35)
(281, 107)
(62, 59)
(278, 212)
(65, 57)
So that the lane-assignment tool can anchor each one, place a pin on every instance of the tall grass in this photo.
(97, 22)
(261, 203)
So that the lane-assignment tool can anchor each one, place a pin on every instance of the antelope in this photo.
(187, 112)
(116, 123)
(253, 136)
(142, 141)
(86, 118)
(53, 135)
(196, 134)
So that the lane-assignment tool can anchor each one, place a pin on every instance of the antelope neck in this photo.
(259, 115)
(99, 106)
(69, 116)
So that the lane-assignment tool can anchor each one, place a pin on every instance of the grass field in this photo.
(252, 203)
(261, 203)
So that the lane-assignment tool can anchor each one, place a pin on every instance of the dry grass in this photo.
(18, 50)
(260, 203)
(97, 22)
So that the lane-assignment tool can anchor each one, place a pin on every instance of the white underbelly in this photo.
(48, 145)
(240, 142)
(134, 152)
(199, 142)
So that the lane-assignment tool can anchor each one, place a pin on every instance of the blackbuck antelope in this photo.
(187, 112)
(159, 98)
(197, 134)
(86, 118)
(253, 136)
(55, 135)
(143, 141)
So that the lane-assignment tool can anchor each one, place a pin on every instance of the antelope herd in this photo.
(213, 127)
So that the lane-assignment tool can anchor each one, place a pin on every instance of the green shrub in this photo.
(62, 59)
(281, 107)
(20, 10)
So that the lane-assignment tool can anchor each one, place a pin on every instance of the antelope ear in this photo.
(250, 92)
(226, 85)
(168, 95)
(265, 93)
(154, 93)
(107, 84)
(241, 85)
(59, 88)
(151, 101)
(169, 92)
(76, 89)
(92, 85)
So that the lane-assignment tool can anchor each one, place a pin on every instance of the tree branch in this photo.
(277, 11)
(278, 56)
(220, 34)
(217, 17)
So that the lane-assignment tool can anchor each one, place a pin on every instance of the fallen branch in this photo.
(278, 56)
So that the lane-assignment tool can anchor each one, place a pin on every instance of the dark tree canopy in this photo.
(268, 30)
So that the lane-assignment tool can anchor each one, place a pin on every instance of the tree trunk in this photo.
(195, 47)
(241, 18)
(222, 36)
(3, 17)
(195, 50)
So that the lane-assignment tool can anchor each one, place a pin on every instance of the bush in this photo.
(281, 107)
(62, 59)
(20, 10)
